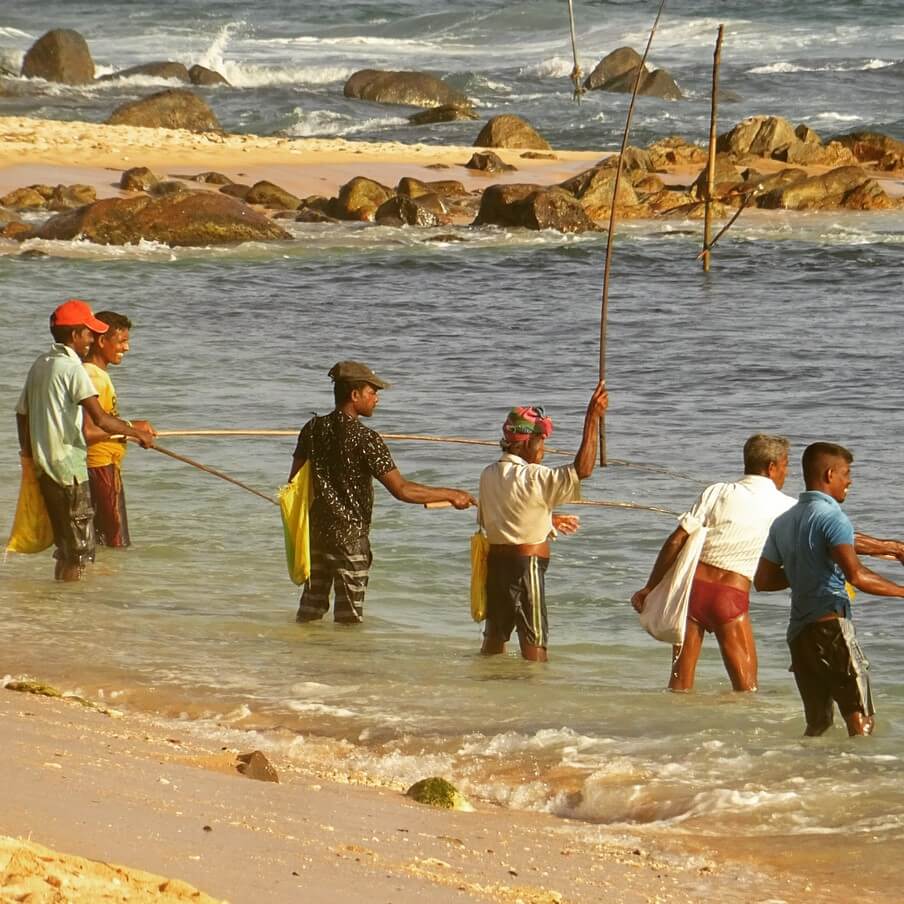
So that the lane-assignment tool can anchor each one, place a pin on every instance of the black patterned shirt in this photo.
(345, 456)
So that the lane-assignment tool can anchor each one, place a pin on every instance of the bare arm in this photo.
(770, 576)
(110, 424)
(24, 434)
(409, 491)
(586, 454)
(861, 576)
(864, 545)
(664, 561)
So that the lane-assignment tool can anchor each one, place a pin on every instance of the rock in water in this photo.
(255, 765)
(437, 792)
(510, 131)
(165, 69)
(417, 89)
(489, 162)
(185, 219)
(204, 77)
(175, 108)
(61, 55)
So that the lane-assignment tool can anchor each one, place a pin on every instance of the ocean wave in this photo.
(554, 67)
(329, 124)
(775, 68)
(7, 31)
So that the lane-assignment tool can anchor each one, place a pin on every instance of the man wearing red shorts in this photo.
(738, 517)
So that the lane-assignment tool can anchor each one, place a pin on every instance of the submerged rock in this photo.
(510, 131)
(445, 113)
(206, 78)
(186, 218)
(438, 792)
(416, 89)
(175, 108)
(165, 69)
(61, 55)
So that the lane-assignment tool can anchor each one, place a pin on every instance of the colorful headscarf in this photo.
(524, 422)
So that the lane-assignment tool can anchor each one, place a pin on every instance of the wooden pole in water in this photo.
(604, 304)
(711, 165)
(576, 72)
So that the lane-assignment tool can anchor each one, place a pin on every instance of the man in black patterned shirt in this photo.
(345, 456)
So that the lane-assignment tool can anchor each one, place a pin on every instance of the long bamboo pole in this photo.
(604, 304)
(711, 165)
(576, 72)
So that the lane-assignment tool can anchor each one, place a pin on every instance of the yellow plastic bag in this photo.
(480, 552)
(32, 531)
(294, 505)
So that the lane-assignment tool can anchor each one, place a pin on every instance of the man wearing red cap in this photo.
(49, 418)
(517, 496)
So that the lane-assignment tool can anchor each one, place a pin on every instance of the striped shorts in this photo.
(343, 567)
(516, 598)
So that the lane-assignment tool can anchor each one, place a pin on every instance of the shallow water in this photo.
(797, 330)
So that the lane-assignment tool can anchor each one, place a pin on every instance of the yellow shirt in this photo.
(109, 452)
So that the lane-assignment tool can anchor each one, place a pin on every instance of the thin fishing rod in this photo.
(604, 304)
(576, 72)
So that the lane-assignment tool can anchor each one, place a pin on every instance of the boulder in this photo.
(187, 218)
(869, 147)
(807, 135)
(205, 78)
(61, 55)
(168, 187)
(138, 178)
(416, 89)
(510, 131)
(359, 199)
(808, 153)
(236, 190)
(68, 197)
(725, 180)
(489, 163)
(409, 211)
(667, 200)
(269, 195)
(312, 215)
(757, 135)
(595, 188)
(649, 184)
(445, 113)
(532, 207)
(675, 151)
(826, 191)
(762, 184)
(8, 216)
(438, 792)
(635, 160)
(167, 69)
(413, 188)
(24, 199)
(18, 232)
(619, 62)
(175, 108)
(211, 178)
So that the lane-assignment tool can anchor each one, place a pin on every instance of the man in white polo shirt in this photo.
(49, 421)
(738, 517)
(517, 496)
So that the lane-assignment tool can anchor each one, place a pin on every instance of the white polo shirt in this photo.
(517, 499)
(738, 516)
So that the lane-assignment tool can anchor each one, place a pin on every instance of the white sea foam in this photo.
(554, 67)
(7, 31)
(321, 709)
(773, 68)
(327, 123)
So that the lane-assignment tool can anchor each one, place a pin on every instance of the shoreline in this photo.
(129, 789)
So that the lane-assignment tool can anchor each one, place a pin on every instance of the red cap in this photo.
(77, 313)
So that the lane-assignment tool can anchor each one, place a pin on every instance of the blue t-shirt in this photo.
(801, 541)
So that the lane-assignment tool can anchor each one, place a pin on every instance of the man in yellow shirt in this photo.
(105, 455)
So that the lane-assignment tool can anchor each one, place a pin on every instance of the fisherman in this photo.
(105, 454)
(49, 419)
(345, 456)
(812, 549)
(738, 516)
(517, 496)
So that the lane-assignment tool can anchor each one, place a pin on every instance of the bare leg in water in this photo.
(684, 659)
(738, 650)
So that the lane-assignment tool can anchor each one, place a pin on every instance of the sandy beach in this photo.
(129, 790)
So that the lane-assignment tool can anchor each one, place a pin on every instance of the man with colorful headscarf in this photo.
(517, 497)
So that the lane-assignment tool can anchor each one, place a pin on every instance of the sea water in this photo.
(797, 330)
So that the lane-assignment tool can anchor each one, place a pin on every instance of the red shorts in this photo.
(713, 605)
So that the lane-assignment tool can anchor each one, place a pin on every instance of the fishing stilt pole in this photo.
(576, 72)
(711, 165)
(604, 305)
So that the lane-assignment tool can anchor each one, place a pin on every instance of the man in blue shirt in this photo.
(812, 549)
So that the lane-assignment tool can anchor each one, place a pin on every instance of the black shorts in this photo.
(72, 517)
(829, 665)
(516, 598)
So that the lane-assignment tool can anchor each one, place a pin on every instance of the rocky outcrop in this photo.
(427, 210)
(846, 186)
(489, 163)
(359, 199)
(532, 207)
(138, 178)
(236, 190)
(175, 108)
(445, 113)
(814, 153)
(760, 136)
(885, 152)
(415, 188)
(210, 178)
(510, 131)
(68, 197)
(725, 179)
(273, 196)
(634, 160)
(166, 69)
(61, 55)
(595, 189)
(416, 89)
(28, 198)
(617, 71)
(188, 218)
(675, 151)
(206, 78)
